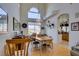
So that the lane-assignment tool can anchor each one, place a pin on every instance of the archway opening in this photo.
(63, 28)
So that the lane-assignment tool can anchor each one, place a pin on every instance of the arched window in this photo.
(34, 13)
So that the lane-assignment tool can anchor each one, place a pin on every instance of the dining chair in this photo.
(35, 42)
(48, 43)
(18, 47)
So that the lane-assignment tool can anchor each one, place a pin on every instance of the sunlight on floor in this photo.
(57, 50)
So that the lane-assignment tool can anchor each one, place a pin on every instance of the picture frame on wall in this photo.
(75, 26)
(16, 25)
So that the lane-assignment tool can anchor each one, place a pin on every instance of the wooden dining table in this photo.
(44, 40)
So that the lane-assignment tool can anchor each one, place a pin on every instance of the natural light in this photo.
(34, 14)
(33, 28)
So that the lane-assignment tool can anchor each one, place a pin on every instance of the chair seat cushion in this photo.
(36, 42)
(44, 44)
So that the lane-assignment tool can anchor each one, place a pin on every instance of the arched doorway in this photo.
(63, 28)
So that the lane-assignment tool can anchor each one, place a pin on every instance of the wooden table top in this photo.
(43, 38)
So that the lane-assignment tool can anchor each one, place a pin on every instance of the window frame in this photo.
(3, 30)
(33, 23)
(38, 13)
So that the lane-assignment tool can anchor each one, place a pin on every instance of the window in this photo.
(34, 13)
(33, 27)
(2, 12)
(3, 27)
(3, 21)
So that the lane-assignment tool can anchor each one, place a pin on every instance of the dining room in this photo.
(33, 29)
(29, 35)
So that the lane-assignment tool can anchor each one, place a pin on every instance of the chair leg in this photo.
(36, 45)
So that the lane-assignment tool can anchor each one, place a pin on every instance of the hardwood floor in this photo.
(57, 50)
(64, 43)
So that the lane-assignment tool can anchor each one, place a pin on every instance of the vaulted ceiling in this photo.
(25, 7)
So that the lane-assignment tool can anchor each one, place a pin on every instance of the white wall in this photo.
(74, 35)
(52, 31)
(71, 9)
(13, 11)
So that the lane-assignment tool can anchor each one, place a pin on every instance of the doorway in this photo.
(63, 29)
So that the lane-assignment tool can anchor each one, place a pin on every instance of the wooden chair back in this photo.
(18, 47)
